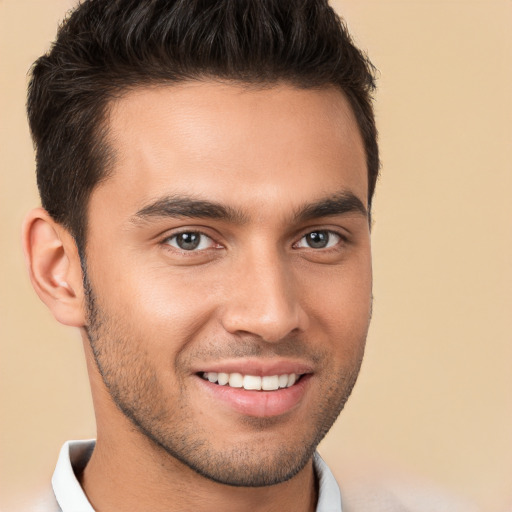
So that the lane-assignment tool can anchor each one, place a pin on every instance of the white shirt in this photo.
(74, 455)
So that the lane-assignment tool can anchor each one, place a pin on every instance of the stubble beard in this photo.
(137, 392)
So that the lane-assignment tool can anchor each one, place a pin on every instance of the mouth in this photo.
(270, 395)
(252, 382)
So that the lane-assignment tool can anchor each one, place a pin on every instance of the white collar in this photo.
(74, 456)
(329, 498)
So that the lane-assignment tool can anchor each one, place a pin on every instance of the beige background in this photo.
(433, 406)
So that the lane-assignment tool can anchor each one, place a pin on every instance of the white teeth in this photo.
(223, 378)
(252, 382)
(236, 380)
(270, 383)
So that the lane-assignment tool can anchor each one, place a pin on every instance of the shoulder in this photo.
(371, 487)
(396, 495)
(42, 502)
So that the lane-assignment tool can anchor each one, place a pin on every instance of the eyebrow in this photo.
(188, 207)
(338, 204)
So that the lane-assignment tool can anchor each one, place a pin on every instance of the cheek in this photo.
(341, 295)
(156, 307)
(339, 308)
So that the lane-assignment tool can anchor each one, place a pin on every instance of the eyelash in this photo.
(166, 242)
(330, 233)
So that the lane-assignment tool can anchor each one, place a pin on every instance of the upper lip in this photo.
(257, 367)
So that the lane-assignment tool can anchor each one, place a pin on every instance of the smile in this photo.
(256, 395)
(252, 382)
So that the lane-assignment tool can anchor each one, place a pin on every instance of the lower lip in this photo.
(263, 404)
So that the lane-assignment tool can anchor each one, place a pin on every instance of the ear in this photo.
(54, 267)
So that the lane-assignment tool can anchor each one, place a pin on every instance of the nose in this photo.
(263, 300)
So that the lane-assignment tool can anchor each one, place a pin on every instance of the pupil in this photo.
(317, 239)
(188, 241)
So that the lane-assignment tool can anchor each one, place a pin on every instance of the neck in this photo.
(136, 475)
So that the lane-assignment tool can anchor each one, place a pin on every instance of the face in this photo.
(229, 273)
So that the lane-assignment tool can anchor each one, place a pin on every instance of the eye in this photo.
(321, 239)
(190, 241)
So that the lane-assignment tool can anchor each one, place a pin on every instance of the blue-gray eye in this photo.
(321, 239)
(190, 241)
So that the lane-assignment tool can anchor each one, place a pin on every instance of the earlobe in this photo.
(54, 267)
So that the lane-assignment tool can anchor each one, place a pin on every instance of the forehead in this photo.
(238, 144)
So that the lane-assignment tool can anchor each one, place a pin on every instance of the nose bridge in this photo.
(264, 301)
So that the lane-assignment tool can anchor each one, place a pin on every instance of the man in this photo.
(206, 172)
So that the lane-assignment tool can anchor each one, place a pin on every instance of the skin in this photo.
(154, 317)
